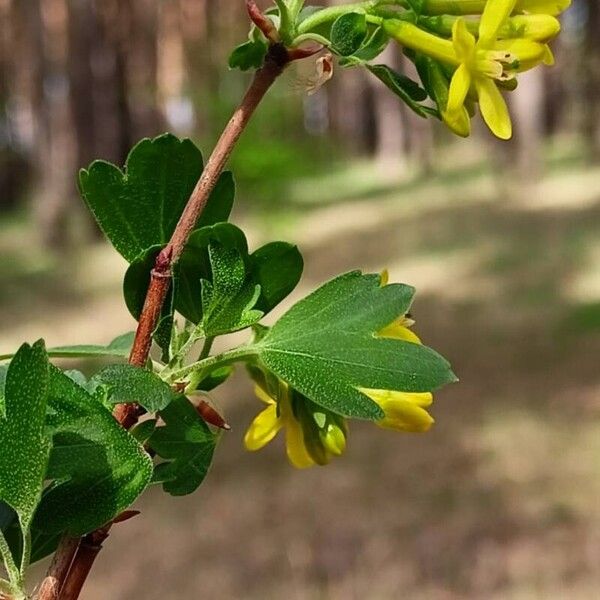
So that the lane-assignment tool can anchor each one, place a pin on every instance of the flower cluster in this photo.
(479, 47)
(315, 435)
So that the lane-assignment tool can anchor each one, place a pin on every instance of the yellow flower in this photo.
(404, 411)
(312, 435)
(475, 7)
(485, 61)
(481, 63)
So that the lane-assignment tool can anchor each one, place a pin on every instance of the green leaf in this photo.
(372, 47)
(404, 87)
(24, 445)
(143, 431)
(128, 384)
(139, 207)
(194, 265)
(215, 379)
(326, 346)
(277, 268)
(348, 33)
(249, 55)
(120, 347)
(187, 443)
(228, 300)
(97, 468)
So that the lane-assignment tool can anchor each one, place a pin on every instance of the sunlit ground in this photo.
(499, 501)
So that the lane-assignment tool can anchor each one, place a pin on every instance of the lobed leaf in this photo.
(187, 443)
(128, 384)
(139, 207)
(326, 346)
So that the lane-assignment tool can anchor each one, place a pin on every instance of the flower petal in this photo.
(493, 108)
(462, 40)
(262, 395)
(296, 448)
(397, 331)
(458, 122)
(263, 429)
(403, 411)
(494, 15)
(459, 88)
(545, 7)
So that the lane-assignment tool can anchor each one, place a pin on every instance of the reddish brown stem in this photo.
(276, 60)
(50, 588)
(83, 562)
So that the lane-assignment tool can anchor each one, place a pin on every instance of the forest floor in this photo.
(498, 501)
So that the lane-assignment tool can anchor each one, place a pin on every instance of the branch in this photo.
(69, 582)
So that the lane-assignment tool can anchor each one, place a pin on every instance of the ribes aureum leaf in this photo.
(139, 207)
(186, 442)
(120, 347)
(405, 88)
(24, 445)
(372, 47)
(229, 298)
(97, 469)
(129, 384)
(326, 346)
(348, 33)
(249, 55)
(275, 267)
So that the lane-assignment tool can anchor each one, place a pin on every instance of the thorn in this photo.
(211, 416)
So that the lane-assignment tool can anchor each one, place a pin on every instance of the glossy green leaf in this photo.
(127, 384)
(348, 33)
(249, 55)
(97, 468)
(229, 298)
(24, 445)
(187, 443)
(139, 207)
(405, 88)
(326, 346)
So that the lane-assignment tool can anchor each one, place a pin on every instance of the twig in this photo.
(50, 588)
(276, 60)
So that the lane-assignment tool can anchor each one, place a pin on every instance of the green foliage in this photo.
(371, 48)
(120, 347)
(348, 33)
(404, 87)
(326, 346)
(139, 207)
(128, 384)
(186, 443)
(228, 301)
(276, 268)
(249, 55)
(97, 469)
(24, 445)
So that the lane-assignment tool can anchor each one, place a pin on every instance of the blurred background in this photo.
(500, 499)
